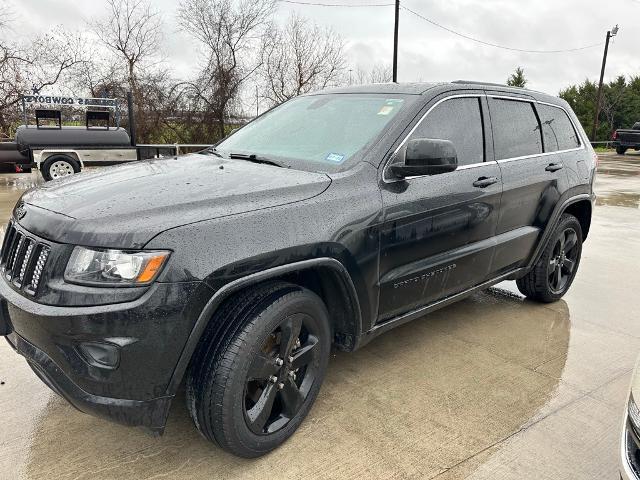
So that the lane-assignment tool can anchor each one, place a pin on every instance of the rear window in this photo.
(516, 131)
(557, 129)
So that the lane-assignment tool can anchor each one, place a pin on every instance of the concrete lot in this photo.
(494, 387)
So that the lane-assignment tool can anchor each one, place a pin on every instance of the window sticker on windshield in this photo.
(335, 157)
(388, 106)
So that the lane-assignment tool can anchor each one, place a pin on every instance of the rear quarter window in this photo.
(557, 129)
(516, 131)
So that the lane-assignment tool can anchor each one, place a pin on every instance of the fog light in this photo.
(100, 354)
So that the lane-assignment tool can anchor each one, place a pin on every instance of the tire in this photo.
(244, 391)
(58, 166)
(562, 254)
(621, 150)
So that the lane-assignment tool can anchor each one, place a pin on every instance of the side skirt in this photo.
(421, 311)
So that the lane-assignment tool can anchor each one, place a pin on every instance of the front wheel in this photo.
(620, 150)
(257, 372)
(553, 273)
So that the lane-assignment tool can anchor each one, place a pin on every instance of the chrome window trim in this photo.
(536, 155)
(406, 138)
(504, 160)
(543, 154)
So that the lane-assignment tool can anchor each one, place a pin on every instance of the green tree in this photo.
(517, 78)
(620, 107)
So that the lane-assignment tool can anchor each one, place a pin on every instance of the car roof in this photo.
(421, 88)
(404, 88)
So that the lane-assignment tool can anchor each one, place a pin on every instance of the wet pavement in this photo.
(493, 387)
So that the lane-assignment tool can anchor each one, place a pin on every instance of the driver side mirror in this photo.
(426, 156)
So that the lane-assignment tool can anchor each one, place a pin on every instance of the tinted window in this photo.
(516, 132)
(557, 130)
(460, 121)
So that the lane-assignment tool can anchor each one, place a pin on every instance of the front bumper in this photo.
(147, 413)
(148, 334)
(629, 452)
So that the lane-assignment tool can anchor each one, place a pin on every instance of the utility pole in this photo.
(132, 119)
(611, 33)
(395, 43)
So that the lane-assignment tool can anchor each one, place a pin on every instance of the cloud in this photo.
(426, 52)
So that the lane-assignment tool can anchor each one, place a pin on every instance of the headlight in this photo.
(114, 267)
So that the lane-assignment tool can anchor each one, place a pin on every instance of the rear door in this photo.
(562, 143)
(436, 238)
(532, 181)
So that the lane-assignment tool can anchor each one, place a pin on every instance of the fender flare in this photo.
(552, 225)
(230, 288)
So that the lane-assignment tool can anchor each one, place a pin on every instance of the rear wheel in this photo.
(258, 370)
(620, 150)
(58, 166)
(552, 275)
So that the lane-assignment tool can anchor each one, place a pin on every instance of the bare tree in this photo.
(32, 65)
(379, 73)
(300, 58)
(132, 31)
(229, 32)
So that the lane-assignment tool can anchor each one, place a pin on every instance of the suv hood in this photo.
(126, 206)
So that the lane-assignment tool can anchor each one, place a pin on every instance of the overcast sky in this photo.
(428, 53)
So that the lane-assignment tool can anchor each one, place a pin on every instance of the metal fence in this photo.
(159, 150)
(606, 144)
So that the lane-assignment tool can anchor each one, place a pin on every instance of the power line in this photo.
(443, 27)
(432, 22)
(317, 4)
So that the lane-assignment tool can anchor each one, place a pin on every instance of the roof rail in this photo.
(476, 82)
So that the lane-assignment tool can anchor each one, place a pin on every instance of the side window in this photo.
(460, 121)
(516, 131)
(557, 130)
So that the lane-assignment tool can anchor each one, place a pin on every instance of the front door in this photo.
(436, 238)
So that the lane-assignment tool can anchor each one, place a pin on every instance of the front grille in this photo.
(23, 259)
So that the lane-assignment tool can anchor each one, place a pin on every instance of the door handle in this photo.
(553, 167)
(484, 182)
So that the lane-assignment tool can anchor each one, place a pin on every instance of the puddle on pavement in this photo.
(619, 199)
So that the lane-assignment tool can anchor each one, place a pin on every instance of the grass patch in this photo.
(604, 149)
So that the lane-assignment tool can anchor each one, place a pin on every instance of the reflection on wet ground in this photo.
(610, 191)
(493, 387)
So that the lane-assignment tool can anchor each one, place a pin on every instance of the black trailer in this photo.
(58, 150)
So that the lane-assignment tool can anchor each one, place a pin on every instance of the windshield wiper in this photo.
(210, 151)
(256, 159)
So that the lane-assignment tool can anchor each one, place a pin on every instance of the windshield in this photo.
(320, 132)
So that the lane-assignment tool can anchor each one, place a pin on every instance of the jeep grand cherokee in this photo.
(324, 222)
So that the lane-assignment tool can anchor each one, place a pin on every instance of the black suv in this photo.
(324, 222)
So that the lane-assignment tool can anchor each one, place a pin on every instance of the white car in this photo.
(630, 442)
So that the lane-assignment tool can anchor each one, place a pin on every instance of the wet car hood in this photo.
(126, 206)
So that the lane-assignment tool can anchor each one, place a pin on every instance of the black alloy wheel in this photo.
(281, 375)
(563, 261)
(553, 273)
(259, 367)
